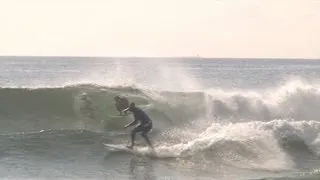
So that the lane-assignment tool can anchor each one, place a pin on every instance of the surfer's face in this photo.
(131, 108)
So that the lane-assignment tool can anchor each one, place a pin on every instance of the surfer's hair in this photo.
(132, 104)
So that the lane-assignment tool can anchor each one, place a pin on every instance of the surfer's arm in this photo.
(132, 123)
(125, 110)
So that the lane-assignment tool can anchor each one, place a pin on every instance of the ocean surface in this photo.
(242, 119)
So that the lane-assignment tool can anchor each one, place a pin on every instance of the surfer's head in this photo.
(117, 98)
(132, 106)
(83, 96)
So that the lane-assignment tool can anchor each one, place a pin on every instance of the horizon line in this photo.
(160, 57)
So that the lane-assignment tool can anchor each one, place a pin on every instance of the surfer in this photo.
(122, 103)
(144, 127)
(87, 108)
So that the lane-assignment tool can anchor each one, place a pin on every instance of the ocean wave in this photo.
(62, 107)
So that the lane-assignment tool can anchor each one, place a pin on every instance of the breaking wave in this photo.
(274, 129)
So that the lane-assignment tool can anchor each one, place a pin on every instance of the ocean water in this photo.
(213, 118)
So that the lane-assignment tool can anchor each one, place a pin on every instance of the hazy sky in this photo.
(210, 28)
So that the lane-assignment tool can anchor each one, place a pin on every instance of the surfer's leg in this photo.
(144, 134)
(133, 134)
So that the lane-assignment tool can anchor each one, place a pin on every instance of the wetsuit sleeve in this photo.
(132, 123)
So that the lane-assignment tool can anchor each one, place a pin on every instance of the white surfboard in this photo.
(118, 147)
(137, 151)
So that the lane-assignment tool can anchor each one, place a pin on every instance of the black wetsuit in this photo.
(144, 127)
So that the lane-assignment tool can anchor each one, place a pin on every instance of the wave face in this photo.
(295, 101)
